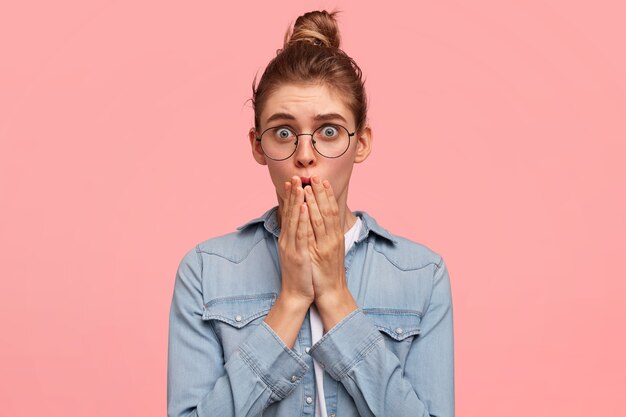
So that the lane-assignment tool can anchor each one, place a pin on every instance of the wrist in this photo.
(334, 307)
(286, 317)
(294, 303)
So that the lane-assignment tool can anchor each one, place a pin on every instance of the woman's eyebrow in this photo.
(287, 116)
(280, 116)
(330, 116)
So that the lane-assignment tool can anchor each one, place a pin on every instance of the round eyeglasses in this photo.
(329, 140)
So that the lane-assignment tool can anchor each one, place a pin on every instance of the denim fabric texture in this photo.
(392, 357)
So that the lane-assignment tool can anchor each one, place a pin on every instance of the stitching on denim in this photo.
(285, 348)
(234, 323)
(398, 266)
(393, 312)
(338, 326)
(361, 354)
(235, 261)
(273, 387)
(274, 262)
(236, 300)
(405, 335)
(200, 261)
(252, 297)
(277, 389)
(247, 358)
(410, 331)
(432, 287)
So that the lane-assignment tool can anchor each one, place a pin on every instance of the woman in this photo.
(311, 309)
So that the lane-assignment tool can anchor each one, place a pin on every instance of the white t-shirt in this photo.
(317, 328)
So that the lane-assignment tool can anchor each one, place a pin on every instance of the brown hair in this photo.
(311, 54)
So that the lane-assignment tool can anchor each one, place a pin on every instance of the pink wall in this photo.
(500, 137)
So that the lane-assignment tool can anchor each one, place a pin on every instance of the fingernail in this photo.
(308, 189)
(315, 179)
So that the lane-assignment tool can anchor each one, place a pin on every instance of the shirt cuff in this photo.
(279, 367)
(346, 344)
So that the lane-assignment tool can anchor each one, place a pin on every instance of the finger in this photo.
(317, 222)
(298, 199)
(286, 194)
(303, 229)
(323, 203)
(287, 203)
(310, 235)
(288, 213)
(292, 194)
(330, 194)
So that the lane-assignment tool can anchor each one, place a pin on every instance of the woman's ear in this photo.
(364, 140)
(257, 152)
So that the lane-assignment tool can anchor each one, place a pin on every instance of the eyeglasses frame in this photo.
(295, 148)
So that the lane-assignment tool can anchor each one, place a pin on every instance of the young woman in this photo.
(311, 309)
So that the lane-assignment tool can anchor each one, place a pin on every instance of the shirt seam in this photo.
(200, 262)
(361, 355)
(253, 366)
(233, 260)
(285, 348)
(432, 287)
(398, 266)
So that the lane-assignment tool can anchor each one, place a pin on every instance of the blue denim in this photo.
(392, 357)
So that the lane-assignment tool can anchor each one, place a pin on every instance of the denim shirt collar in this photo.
(270, 222)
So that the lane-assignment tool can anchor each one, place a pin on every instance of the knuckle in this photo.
(327, 211)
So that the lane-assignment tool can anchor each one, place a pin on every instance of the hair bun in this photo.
(317, 28)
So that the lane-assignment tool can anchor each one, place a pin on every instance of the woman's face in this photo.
(303, 108)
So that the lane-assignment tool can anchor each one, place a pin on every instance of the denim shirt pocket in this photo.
(233, 318)
(398, 327)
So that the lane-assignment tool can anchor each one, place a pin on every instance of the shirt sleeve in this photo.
(262, 371)
(354, 353)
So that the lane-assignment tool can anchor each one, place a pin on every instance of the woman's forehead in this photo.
(304, 102)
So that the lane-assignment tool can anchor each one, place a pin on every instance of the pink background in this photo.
(500, 137)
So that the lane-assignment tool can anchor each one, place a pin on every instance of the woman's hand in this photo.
(326, 244)
(297, 294)
(295, 261)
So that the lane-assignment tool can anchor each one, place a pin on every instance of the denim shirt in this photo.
(391, 357)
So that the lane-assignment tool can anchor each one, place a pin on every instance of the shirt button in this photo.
(309, 400)
(399, 330)
(307, 349)
(331, 415)
(294, 378)
(237, 317)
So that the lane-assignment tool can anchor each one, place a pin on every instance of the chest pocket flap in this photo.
(398, 324)
(238, 310)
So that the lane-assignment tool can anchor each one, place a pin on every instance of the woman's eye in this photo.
(329, 131)
(284, 133)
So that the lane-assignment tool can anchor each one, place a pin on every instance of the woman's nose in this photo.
(305, 153)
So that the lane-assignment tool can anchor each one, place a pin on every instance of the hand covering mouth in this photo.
(305, 181)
